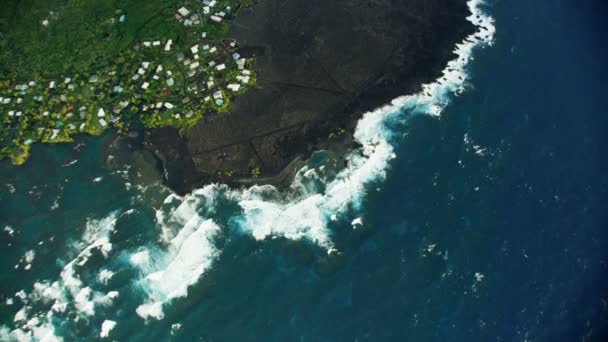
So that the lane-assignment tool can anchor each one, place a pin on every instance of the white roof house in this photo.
(217, 95)
(183, 11)
(216, 18)
(168, 45)
(194, 49)
(234, 87)
(194, 65)
(101, 113)
(221, 67)
(103, 122)
(145, 85)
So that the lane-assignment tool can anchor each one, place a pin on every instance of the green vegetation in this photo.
(82, 66)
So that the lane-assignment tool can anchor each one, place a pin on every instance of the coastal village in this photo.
(152, 83)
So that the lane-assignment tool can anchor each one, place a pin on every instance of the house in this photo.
(213, 49)
(170, 82)
(101, 113)
(103, 122)
(169, 105)
(51, 84)
(147, 44)
(67, 80)
(216, 18)
(217, 95)
(210, 84)
(168, 45)
(221, 67)
(206, 10)
(194, 65)
(194, 49)
(156, 43)
(236, 56)
(234, 87)
(159, 68)
(117, 89)
(145, 85)
(184, 12)
(241, 63)
(141, 71)
(145, 65)
(122, 18)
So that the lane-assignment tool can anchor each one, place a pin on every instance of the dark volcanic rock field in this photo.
(321, 64)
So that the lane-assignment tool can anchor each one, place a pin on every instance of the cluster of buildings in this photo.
(176, 85)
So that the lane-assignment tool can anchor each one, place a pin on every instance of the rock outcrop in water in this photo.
(321, 65)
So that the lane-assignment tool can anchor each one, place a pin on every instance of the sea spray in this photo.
(304, 211)
(189, 226)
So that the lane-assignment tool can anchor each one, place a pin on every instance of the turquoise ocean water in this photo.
(475, 214)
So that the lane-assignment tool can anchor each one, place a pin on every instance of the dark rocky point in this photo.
(321, 64)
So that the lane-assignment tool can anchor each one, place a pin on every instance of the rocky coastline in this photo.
(320, 65)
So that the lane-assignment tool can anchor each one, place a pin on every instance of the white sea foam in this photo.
(105, 276)
(188, 226)
(106, 328)
(68, 292)
(189, 255)
(313, 200)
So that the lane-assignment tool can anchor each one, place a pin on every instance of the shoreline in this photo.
(281, 120)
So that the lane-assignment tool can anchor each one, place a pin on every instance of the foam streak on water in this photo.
(189, 226)
(304, 212)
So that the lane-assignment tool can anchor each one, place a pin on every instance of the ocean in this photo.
(474, 211)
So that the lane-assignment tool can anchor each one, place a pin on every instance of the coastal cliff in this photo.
(320, 65)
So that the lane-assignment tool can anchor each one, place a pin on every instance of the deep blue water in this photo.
(491, 225)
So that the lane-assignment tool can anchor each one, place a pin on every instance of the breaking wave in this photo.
(190, 227)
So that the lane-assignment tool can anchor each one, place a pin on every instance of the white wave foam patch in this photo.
(305, 211)
(68, 294)
(106, 328)
(189, 255)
